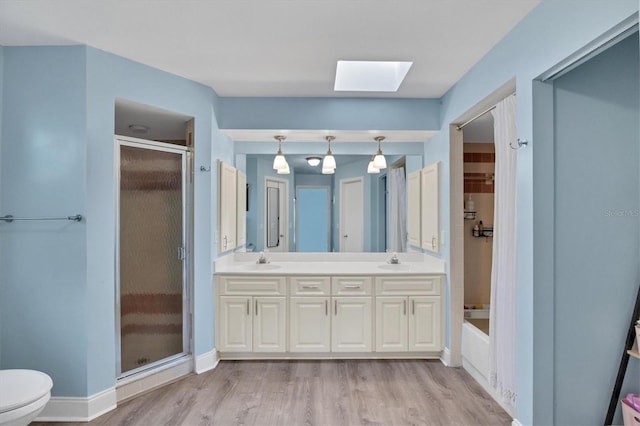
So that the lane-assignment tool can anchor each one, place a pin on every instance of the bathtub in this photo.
(475, 356)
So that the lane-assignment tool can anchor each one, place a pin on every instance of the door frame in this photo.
(342, 212)
(297, 213)
(285, 223)
(187, 241)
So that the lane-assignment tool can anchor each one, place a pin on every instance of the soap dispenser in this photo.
(469, 205)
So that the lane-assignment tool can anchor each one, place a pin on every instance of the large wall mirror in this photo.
(307, 211)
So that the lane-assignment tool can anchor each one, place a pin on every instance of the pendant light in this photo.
(329, 162)
(279, 162)
(371, 168)
(379, 162)
(284, 171)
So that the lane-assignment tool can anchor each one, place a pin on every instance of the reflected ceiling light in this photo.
(371, 168)
(279, 162)
(313, 161)
(379, 162)
(329, 162)
(138, 128)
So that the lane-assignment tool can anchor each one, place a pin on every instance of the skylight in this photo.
(370, 76)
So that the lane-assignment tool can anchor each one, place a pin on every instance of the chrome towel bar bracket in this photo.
(9, 218)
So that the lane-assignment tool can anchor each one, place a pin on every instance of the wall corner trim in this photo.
(446, 357)
(205, 362)
(78, 409)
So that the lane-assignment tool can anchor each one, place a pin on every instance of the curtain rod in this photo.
(461, 126)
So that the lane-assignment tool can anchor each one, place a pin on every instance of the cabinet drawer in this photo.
(252, 285)
(407, 285)
(310, 286)
(351, 286)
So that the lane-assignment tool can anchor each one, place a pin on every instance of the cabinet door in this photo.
(413, 208)
(269, 324)
(351, 324)
(425, 323)
(234, 324)
(310, 324)
(391, 324)
(430, 207)
(241, 209)
(227, 206)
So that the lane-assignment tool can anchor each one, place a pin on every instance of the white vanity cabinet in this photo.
(252, 313)
(325, 316)
(408, 314)
(330, 314)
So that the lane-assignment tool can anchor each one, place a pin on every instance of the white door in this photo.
(351, 324)
(430, 207)
(352, 215)
(241, 213)
(234, 333)
(391, 324)
(269, 324)
(227, 206)
(413, 208)
(310, 324)
(424, 323)
(276, 228)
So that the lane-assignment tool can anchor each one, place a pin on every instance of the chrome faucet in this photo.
(394, 259)
(262, 258)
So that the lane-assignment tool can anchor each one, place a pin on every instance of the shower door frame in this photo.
(187, 303)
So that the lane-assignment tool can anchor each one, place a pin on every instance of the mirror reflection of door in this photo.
(313, 218)
(352, 215)
(277, 215)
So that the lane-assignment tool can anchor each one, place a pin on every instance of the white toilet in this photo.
(23, 395)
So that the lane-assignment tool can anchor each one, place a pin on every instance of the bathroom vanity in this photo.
(329, 305)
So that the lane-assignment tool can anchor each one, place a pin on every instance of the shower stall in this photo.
(152, 292)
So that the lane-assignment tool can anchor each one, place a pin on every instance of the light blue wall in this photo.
(550, 33)
(58, 159)
(329, 113)
(597, 188)
(43, 268)
(313, 219)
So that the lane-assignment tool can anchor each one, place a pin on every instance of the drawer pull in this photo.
(310, 286)
(351, 286)
(413, 306)
(336, 307)
(248, 307)
(404, 303)
(326, 308)
(256, 307)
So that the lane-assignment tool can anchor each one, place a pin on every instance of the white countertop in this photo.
(329, 264)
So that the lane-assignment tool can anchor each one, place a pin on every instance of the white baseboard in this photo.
(70, 409)
(446, 357)
(205, 362)
(516, 422)
(478, 377)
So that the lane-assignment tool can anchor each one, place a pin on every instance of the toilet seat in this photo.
(19, 388)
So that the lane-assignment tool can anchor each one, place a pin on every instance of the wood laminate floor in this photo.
(346, 392)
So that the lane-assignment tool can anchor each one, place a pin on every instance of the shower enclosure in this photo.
(152, 292)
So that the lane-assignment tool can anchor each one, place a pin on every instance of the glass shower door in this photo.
(151, 251)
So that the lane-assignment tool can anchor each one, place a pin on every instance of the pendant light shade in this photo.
(328, 171)
(371, 168)
(279, 162)
(379, 162)
(329, 161)
(284, 171)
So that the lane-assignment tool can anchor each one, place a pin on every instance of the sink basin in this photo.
(394, 267)
(260, 267)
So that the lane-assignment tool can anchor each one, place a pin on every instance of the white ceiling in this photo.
(275, 47)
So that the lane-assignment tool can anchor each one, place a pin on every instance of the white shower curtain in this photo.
(502, 336)
(397, 211)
